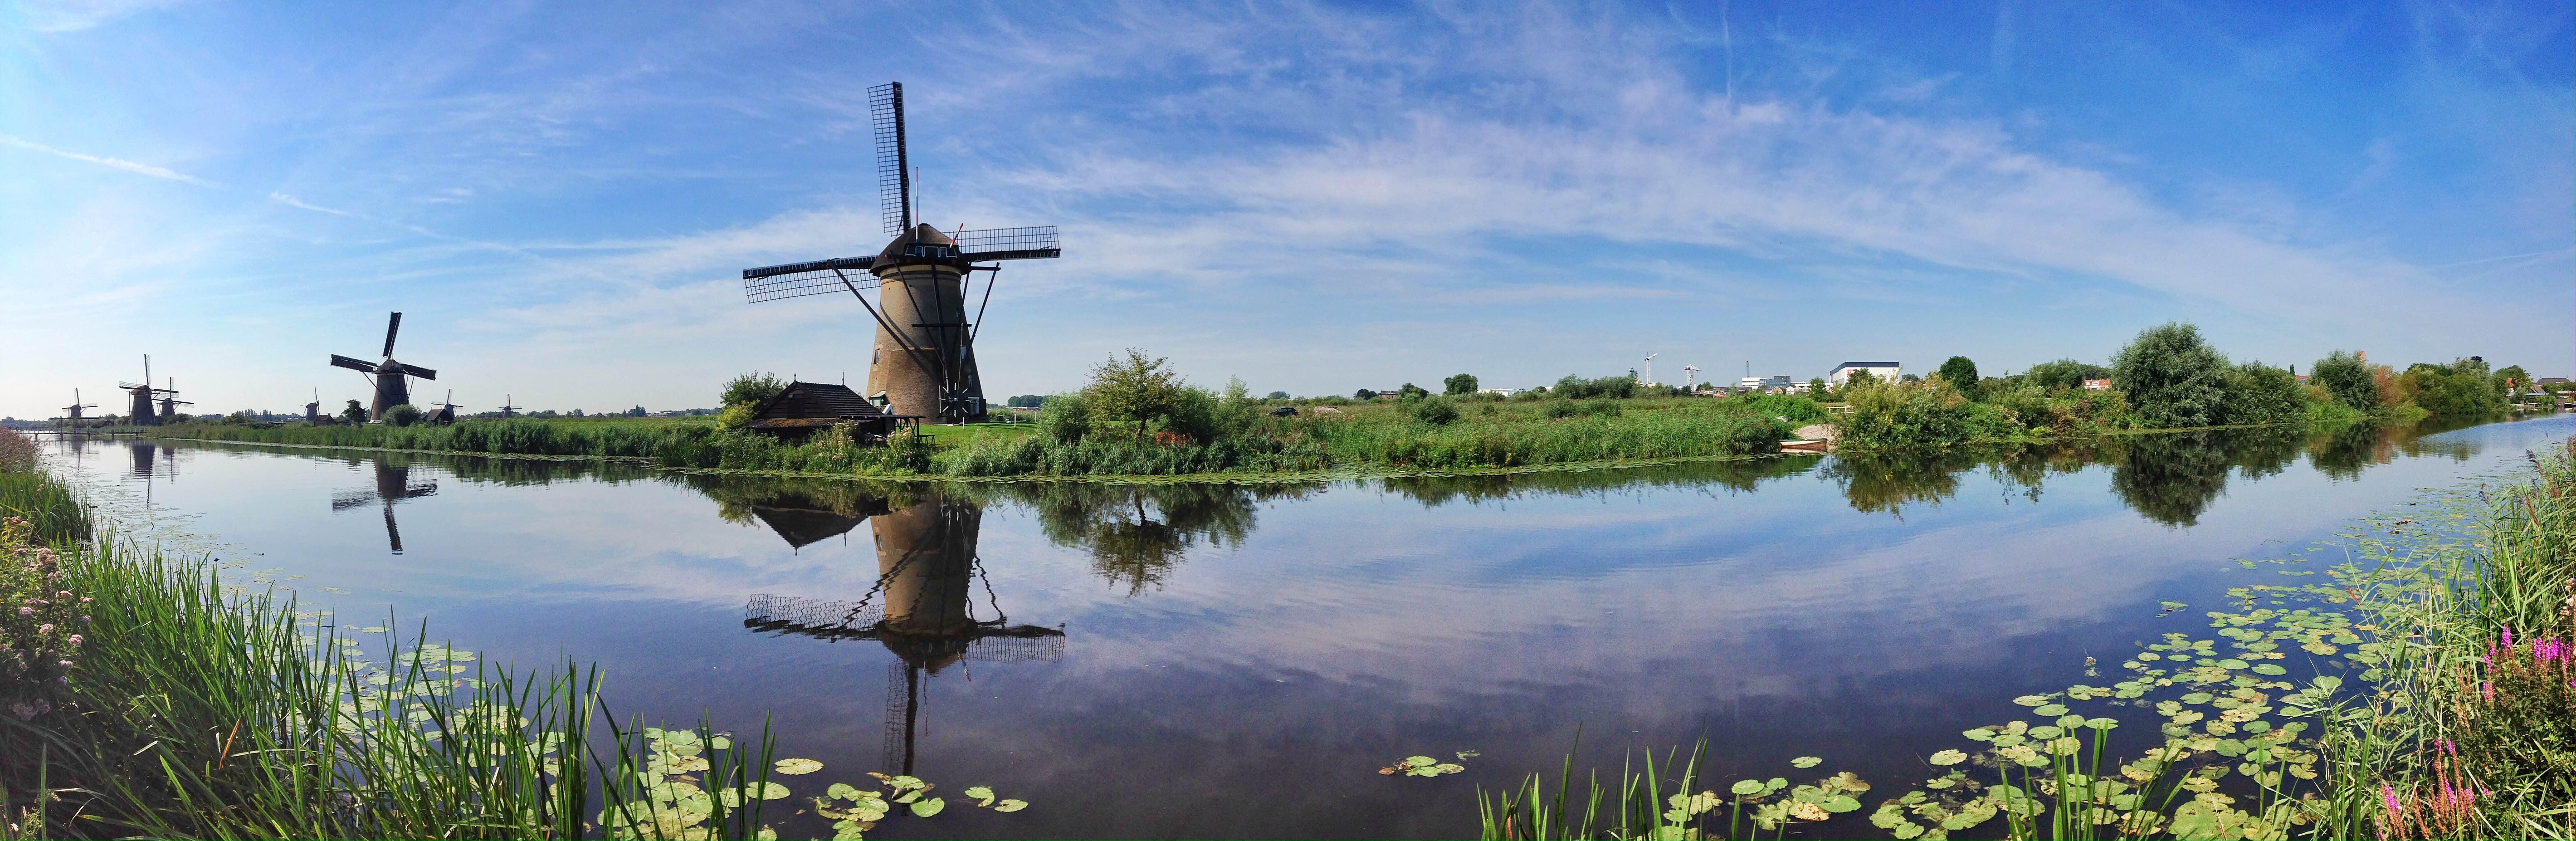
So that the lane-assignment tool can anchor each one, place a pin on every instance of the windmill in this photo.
(506, 408)
(923, 364)
(170, 397)
(73, 411)
(446, 409)
(139, 410)
(392, 389)
(1690, 373)
(313, 410)
(927, 568)
(1650, 369)
(393, 483)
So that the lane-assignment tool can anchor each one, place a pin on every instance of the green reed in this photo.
(194, 713)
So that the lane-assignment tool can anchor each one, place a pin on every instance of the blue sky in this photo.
(1314, 197)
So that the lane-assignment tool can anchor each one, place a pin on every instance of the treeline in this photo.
(2168, 378)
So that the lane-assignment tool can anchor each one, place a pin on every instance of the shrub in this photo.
(2063, 373)
(2460, 388)
(2173, 378)
(403, 415)
(1065, 418)
(1459, 384)
(2261, 394)
(1436, 411)
(2344, 376)
(1577, 388)
(1603, 407)
(1962, 374)
(1559, 408)
(17, 452)
(1902, 415)
(734, 416)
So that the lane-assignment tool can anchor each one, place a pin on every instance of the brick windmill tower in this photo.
(923, 363)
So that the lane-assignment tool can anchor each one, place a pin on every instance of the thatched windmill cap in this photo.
(922, 234)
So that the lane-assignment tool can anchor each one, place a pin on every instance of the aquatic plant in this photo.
(1654, 801)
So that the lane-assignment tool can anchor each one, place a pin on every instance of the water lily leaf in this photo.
(1746, 788)
(1949, 757)
(2269, 669)
(720, 743)
(1806, 762)
(1420, 761)
(927, 808)
(2047, 731)
(372, 629)
(1980, 734)
(1010, 806)
(793, 766)
(1448, 767)
(2051, 710)
(2232, 663)
(2070, 722)
(2197, 698)
(1468, 754)
(2031, 700)
(1840, 803)
(983, 793)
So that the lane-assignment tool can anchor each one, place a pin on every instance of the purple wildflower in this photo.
(26, 611)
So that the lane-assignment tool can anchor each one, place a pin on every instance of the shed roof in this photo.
(1866, 365)
(814, 401)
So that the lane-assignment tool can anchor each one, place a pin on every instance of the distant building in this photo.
(2098, 385)
(1499, 392)
(1764, 383)
(2550, 381)
(1882, 370)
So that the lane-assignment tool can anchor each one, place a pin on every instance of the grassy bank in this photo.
(139, 699)
(1393, 436)
(2434, 697)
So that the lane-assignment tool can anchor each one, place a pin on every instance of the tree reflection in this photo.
(1137, 534)
(1741, 475)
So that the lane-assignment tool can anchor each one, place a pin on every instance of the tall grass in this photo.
(196, 714)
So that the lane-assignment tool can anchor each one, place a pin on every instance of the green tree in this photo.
(1962, 374)
(1408, 391)
(1277, 395)
(2343, 375)
(1136, 388)
(2063, 373)
(1816, 388)
(354, 414)
(1364, 394)
(2261, 394)
(1436, 411)
(750, 389)
(2512, 382)
(1064, 418)
(1459, 384)
(2172, 377)
(2461, 388)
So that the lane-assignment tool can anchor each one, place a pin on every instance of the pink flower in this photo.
(75, 641)
(46, 628)
(65, 664)
(26, 611)
(2388, 795)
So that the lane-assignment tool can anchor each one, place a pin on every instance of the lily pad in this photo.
(1010, 805)
(927, 808)
(2051, 710)
(983, 793)
(793, 766)
(1840, 803)
(1949, 757)
(2269, 669)
(1806, 762)
(1746, 788)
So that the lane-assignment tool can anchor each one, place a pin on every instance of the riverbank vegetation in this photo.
(1137, 418)
(2167, 378)
(2421, 686)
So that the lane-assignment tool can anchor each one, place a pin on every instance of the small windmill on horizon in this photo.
(923, 363)
(73, 411)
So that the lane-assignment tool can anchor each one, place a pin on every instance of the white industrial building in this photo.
(1882, 370)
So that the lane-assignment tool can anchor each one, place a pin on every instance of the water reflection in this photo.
(394, 482)
(1137, 534)
(922, 608)
(1434, 491)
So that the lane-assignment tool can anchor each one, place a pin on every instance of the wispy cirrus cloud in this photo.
(111, 163)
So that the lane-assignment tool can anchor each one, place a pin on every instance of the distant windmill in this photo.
(446, 410)
(393, 483)
(1690, 373)
(506, 408)
(74, 410)
(392, 389)
(927, 566)
(171, 398)
(923, 365)
(1650, 367)
(139, 410)
(313, 410)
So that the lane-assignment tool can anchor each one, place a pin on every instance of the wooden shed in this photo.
(802, 409)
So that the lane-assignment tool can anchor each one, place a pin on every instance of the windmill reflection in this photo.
(922, 608)
(151, 460)
(394, 482)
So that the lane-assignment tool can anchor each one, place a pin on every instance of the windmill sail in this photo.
(894, 162)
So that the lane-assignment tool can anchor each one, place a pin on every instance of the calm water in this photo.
(1239, 660)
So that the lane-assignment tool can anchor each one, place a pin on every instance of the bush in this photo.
(1459, 384)
(1065, 418)
(2458, 389)
(17, 452)
(2261, 394)
(2173, 378)
(1796, 410)
(1901, 415)
(2344, 376)
(734, 416)
(1603, 407)
(2063, 373)
(1436, 411)
(1577, 388)
(1559, 408)
(403, 415)
(1962, 374)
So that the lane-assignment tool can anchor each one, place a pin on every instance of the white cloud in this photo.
(113, 163)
